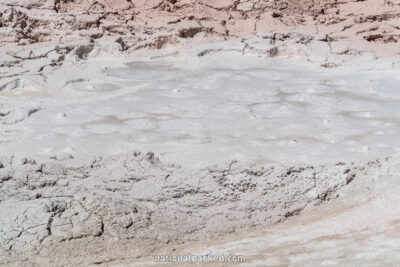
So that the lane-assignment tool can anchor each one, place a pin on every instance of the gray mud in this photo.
(124, 206)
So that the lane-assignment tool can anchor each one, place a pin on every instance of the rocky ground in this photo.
(64, 209)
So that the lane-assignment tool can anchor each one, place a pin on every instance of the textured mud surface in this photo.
(359, 228)
(67, 84)
(133, 203)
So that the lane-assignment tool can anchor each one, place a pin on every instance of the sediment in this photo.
(74, 210)
(82, 211)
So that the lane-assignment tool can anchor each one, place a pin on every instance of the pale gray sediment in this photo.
(69, 211)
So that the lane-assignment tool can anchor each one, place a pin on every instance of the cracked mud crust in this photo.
(85, 210)
(345, 27)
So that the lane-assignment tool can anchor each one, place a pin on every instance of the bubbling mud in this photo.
(236, 107)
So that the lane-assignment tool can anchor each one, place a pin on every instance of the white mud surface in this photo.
(228, 106)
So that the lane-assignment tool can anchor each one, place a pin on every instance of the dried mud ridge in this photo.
(103, 208)
(165, 21)
(332, 29)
